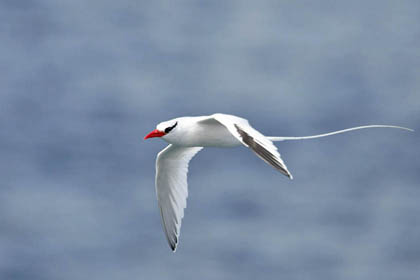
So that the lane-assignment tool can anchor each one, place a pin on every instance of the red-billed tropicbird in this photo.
(187, 136)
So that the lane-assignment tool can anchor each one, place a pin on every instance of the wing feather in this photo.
(172, 189)
(253, 139)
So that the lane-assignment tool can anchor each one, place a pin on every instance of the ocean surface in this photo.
(82, 82)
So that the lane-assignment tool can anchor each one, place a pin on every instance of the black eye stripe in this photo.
(168, 129)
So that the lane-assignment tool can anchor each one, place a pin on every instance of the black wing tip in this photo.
(174, 244)
(286, 173)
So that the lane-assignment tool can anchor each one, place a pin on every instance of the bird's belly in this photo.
(228, 141)
(204, 136)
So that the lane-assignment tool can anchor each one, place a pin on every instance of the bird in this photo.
(186, 136)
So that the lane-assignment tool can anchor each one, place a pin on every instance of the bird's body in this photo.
(187, 136)
(203, 132)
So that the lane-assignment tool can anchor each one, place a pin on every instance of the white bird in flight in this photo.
(187, 136)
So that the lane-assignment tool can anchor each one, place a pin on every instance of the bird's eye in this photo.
(168, 129)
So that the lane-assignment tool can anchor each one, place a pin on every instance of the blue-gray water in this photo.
(82, 82)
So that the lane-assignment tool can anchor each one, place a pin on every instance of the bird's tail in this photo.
(284, 138)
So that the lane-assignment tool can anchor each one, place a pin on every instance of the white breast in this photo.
(195, 133)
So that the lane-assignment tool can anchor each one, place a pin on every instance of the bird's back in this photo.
(205, 131)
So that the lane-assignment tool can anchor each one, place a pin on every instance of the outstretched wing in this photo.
(253, 139)
(172, 189)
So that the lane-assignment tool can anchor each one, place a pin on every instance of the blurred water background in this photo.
(82, 82)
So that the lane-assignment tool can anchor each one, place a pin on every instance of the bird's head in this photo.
(164, 130)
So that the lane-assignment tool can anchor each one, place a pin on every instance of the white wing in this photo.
(172, 189)
(253, 139)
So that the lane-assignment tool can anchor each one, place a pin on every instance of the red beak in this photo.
(154, 133)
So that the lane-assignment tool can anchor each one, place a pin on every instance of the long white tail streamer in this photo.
(285, 138)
